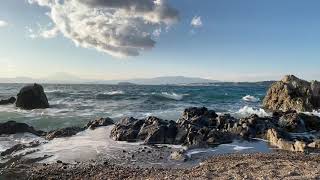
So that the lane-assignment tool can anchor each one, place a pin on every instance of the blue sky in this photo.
(245, 40)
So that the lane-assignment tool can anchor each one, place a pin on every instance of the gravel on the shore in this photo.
(278, 165)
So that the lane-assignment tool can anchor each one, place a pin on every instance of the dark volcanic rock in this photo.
(127, 129)
(311, 122)
(32, 97)
(292, 122)
(65, 132)
(11, 100)
(158, 131)
(12, 127)
(199, 117)
(292, 93)
(99, 123)
(151, 130)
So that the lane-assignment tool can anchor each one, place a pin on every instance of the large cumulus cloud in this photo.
(118, 27)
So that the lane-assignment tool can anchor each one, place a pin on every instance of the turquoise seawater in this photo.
(75, 105)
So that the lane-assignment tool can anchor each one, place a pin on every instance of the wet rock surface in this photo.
(292, 93)
(32, 97)
(10, 100)
(99, 123)
(12, 127)
(200, 128)
(64, 132)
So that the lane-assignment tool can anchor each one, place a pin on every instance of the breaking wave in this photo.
(170, 96)
(109, 94)
(247, 111)
(250, 98)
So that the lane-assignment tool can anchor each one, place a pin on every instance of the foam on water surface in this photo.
(84, 146)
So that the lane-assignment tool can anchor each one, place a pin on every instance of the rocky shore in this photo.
(279, 165)
(295, 133)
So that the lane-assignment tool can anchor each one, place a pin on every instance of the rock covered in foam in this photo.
(32, 97)
(292, 93)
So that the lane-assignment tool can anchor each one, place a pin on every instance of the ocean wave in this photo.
(114, 93)
(247, 111)
(314, 112)
(170, 96)
(250, 98)
(106, 95)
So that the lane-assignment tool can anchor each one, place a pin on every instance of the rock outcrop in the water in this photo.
(196, 128)
(292, 93)
(200, 127)
(99, 123)
(12, 127)
(11, 100)
(32, 97)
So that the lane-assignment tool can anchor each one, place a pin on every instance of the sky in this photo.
(231, 40)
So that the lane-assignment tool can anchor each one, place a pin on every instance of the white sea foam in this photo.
(250, 98)
(247, 111)
(174, 96)
(237, 147)
(84, 146)
(314, 112)
(8, 141)
(198, 151)
(114, 93)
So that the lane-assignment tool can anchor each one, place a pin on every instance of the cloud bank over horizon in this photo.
(120, 28)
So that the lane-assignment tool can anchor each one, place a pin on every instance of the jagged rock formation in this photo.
(99, 123)
(292, 93)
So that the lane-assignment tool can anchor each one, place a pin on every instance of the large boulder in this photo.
(32, 97)
(12, 127)
(199, 117)
(151, 130)
(158, 131)
(127, 129)
(292, 93)
(10, 100)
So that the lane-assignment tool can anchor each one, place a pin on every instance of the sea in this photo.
(76, 105)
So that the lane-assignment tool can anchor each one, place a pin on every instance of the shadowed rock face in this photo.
(12, 127)
(11, 100)
(99, 123)
(32, 97)
(292, 93)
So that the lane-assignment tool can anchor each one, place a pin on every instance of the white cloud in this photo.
(120, 28)
(3, 23)
(196, 22)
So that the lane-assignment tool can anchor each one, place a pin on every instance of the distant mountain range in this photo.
(65, 78)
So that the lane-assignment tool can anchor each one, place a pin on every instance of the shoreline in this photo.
(276, 165)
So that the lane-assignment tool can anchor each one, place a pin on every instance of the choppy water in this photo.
(74, 105)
